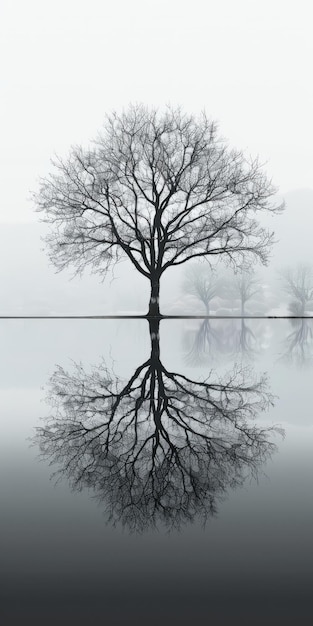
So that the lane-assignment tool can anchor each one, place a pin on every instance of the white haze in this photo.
(30, 285)
(65, 64)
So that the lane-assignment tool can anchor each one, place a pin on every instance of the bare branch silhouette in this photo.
(159, 189)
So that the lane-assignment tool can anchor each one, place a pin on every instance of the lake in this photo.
(156, 473)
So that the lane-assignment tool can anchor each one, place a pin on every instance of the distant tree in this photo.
(245, 286)
(201, 282)
(241, 286)
(159, 189)
(297, 282)
(159, 448)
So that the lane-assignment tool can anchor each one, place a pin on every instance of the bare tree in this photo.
(247, 285)
(160, 448)
(298, 284)
(201, 282)
(160, 189)
(243, 286)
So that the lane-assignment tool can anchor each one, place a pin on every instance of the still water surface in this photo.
(182, 472)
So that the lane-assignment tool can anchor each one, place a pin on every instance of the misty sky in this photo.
(65, 63)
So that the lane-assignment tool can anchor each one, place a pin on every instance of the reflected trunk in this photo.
(154, 329)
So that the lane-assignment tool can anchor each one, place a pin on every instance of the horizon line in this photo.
(160, 317)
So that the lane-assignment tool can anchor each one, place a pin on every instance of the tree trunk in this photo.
(154, 306)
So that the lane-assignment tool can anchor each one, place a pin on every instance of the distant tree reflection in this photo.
(244, 339)
(211, 339)
(160, 448)
(205, 342)
(298, 345)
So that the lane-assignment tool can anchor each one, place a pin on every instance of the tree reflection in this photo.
(211, 339)
(298, 345)
(244, 339)
(206, 342)
(160, 448)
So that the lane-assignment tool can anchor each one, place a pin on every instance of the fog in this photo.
(30, 285)
(66, 65)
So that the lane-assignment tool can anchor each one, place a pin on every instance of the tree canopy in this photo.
(297, 282)
(160, 188)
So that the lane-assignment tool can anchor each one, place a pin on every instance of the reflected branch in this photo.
(161, 448)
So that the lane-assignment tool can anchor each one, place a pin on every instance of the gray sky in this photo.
(65, 63)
